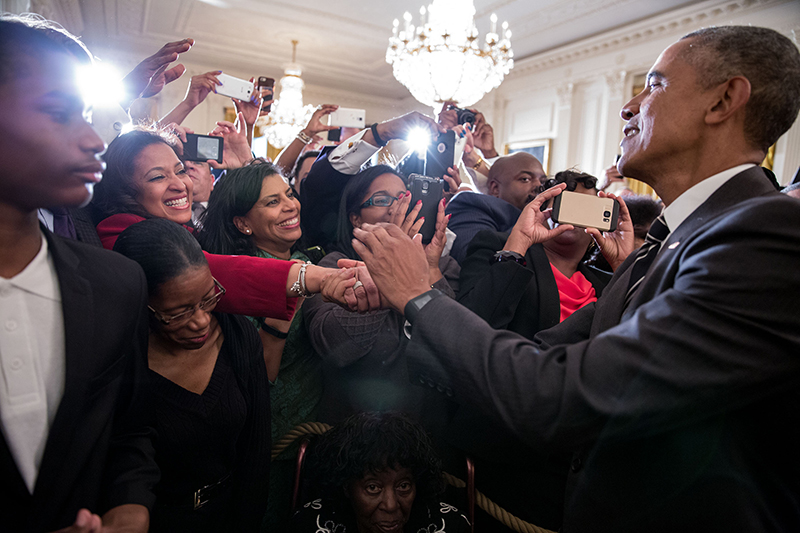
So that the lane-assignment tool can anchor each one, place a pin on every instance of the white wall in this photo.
(573, 94)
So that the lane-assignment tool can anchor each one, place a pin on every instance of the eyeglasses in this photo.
(207, 305)
(590, 182)
(380, 200)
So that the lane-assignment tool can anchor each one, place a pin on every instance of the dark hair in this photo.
(644, 209)
(116, 192)
(372, 442)
(32, 34)
(164, 249)
(571, 177)
(234, 195)
(352, 198)
(299, 164)
(769, 61)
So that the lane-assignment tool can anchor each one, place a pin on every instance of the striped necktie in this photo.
(646, 255)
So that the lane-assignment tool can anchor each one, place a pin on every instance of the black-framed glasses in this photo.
(380, 200)
(590, 182)
(206, 304)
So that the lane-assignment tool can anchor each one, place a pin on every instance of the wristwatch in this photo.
(507, 255)
(415, 305)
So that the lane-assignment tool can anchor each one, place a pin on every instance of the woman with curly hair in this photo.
(376, 473)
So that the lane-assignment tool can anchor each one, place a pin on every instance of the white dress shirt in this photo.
(32, 360)
(685, 204)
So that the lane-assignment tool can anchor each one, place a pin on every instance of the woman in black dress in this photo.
(210, 390)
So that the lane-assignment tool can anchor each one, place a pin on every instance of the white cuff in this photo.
(109, 121)
(348, 157)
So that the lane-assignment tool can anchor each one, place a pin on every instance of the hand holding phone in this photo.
(234, 87)
(586, 210)
(202, 148)
(266, 89)
(430, 191)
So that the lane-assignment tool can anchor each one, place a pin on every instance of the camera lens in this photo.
(606, 213)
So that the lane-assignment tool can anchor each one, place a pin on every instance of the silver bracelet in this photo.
(299, 286)
(303, 138)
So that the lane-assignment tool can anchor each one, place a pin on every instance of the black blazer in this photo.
(473, 212)
(509, 296)
(685, 404)
(99, 452)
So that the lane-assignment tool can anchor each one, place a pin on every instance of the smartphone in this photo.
(235, 87)
(348, 118)
(441, 155)
(202, 148)
(430, 191)
(266, 86)
(586, 211)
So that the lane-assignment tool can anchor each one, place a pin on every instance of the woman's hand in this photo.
(180, 132)
(200, 87)
(434, 249)
(249, 110)
(235, 149)
(617, 245)
(315, 125)
(408, 223)
(532, 227)
(335, 285)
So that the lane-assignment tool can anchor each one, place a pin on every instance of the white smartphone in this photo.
(586, 211)
(235, 87)
(348, 118)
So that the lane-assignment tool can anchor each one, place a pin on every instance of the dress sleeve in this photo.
(254, 286)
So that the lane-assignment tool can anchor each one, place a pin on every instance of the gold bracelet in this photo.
(303, 138)
(477, 165)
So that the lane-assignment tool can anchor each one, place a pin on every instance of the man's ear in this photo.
(355, 220)
(241, 225)
(493, 188)
(731, 96)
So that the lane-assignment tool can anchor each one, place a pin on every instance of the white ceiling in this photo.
(342, 42)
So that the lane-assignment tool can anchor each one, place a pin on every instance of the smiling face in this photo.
(180, 294)
(164, 190)
(389, 184)
(665, 122)
(274, 221)
(382, 501)
(49, 154)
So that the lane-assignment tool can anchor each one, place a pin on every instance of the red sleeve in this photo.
(254, 286)
(109, 229)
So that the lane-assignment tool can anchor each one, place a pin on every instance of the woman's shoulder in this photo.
(109, 228)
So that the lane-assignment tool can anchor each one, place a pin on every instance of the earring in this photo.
(247, 231)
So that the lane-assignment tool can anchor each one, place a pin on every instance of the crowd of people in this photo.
(166, 321)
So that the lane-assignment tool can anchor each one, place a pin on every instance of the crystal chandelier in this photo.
(440, 59)
(288, 115)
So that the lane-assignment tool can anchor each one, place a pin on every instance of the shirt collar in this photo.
(39, 277)
(685, 204)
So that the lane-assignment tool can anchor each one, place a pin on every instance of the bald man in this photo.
(513, 182)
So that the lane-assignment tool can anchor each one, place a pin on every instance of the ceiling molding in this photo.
(650, 29)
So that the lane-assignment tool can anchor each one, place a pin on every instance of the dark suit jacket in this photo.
(523, 299)
(685, 404)
(320, 196)
(473, 212)
(99, 452)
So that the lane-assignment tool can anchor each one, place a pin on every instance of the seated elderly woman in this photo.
(376, 473)
(363, 354)
(209, 388)
(526, 288)
(253, 211)
(144, 178)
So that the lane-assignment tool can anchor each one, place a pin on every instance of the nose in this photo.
(200, 320)
(90, 141)
(631, 109)
(389, 501)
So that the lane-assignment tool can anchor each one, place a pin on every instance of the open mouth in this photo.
(291, 223)
(178, 203)
(630, 131)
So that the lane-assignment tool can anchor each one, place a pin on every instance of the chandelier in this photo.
(288, 115)
(441, 59)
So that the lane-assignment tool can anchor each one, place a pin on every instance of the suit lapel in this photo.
(549, 315)
(748, 184)
(78, 325)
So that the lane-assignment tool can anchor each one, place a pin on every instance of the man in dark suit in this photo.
(513, 180)
(678, 389)
(75, 437)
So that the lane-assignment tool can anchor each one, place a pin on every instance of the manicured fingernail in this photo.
(450, 215)
(422, 219)
(419, 202)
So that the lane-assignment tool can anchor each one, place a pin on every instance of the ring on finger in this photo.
(357, 285)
